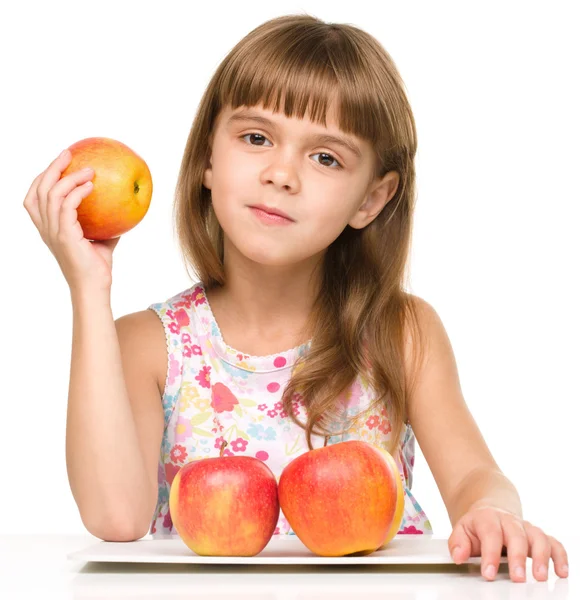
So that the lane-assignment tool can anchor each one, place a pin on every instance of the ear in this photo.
(207, 174)
(375, 200)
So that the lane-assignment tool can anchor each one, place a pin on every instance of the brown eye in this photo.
(259, 135)
(254, 135)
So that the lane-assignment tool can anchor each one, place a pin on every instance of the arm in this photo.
(462, 465)
(114, 418)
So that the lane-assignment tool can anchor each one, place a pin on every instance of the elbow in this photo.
(116, 530)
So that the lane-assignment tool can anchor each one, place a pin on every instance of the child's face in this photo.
(283, 166)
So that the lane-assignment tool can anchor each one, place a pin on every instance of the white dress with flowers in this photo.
(215, 393)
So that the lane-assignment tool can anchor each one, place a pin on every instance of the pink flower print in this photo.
(222, 398)
(182, 317)
(262, 406)
(272, 413)
(173, 370)
(372, 421)
(184, 303)
(178, 453)
(203, 377)
(198, 296)
(154, 529)
(187, 351)
(218, 442)
(278, 405)
(385, 426)
(412, 529)
(182, 429)
(185, 338)
(170, 472)
(276, 531)
(238, 445)
(283, 414)
(196, 350)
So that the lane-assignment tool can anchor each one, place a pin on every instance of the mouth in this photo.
(269, 210)
(267, 218)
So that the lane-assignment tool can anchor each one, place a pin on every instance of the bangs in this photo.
(303, 76)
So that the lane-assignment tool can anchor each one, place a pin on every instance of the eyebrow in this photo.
(320, 137)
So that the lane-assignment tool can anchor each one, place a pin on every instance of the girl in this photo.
(297, 327)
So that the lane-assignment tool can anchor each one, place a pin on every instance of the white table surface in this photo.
(36, 566)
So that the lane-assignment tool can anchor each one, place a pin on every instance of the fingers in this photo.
(518, 547)
(496, 530)
(31, 202)
(460, 546)
(49, 178)
(65, 223)
(60, 191)
(544, 547)
(489, 530)
(559, 557)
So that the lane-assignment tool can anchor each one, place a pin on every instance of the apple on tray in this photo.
(343, 499)
(225, 505)
(122, 187)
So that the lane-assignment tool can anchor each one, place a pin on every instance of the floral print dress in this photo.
(214, 392)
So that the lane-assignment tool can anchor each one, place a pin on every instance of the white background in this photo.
(494, 89)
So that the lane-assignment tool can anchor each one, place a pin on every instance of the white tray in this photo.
(281, 550)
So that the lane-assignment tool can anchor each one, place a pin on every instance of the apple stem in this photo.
(325, 440)
(224, 444)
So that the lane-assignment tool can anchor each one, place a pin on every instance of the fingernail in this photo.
(565, 569)
(520, 572)
(63, 153)
(542, 570)
(490, 571)
(87, 170)
(455, 553)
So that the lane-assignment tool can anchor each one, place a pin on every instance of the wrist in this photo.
(90, 297)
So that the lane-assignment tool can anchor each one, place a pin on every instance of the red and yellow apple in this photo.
(342, 499)
(122, 187)
(225, 505)
(400, 510)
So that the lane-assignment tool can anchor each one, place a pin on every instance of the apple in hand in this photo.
(342, 499)
(225, 505)
(122, 187)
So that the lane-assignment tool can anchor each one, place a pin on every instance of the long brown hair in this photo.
(359, 319)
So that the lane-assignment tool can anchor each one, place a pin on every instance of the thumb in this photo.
(109, 244)
(459, 544)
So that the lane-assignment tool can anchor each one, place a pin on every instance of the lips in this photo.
(271, 210)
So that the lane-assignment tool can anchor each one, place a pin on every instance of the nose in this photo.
(282, 173)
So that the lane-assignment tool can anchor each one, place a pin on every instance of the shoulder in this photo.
(141, 334)
(424, 336)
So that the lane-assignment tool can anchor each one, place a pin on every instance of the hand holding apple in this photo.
(122, 187)
(225, 505)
